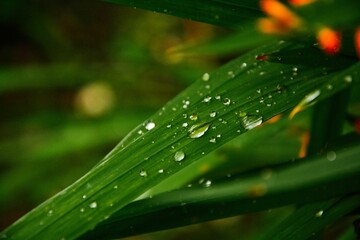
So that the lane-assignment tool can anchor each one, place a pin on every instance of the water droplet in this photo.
(295, 69)
(251, 121)
(179, 156)
(140, 132)
(84, 196)
(150, 125)
(82, 210)
(185, 124)
(205, 77)
(243, 114)
(212, 140)
(50, 212)
(218, 97)
(207, 183)
(93, 205)
(198, 130)
(226, 101)
(212, 114)
(258, 91)
(193, 117)
(319, 213)
(243, 65)
(348, 79)
(143, 173)
(207, 99)
(231, 74)
(329, 87)
(161, 171)
(116, 187)
(331, 156)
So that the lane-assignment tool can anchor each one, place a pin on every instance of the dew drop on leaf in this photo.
(319, 213)
(331, 156)
(193, 117)
(150, 125)
(226, 101)
(161, 171)
(212, 140)
(179, 156)
(348, 79)
(251, 121)
(213, 114)
(208, 183)
(205, 77)
(93, 205)
(207, 99)
(143, 173)
(198, 130)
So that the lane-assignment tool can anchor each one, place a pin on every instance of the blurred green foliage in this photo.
(75, 78)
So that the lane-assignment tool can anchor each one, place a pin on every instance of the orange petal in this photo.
(357, 41)
(300, 3)
(329, 40)
(304, 143)
(270, 26)
(280, 12)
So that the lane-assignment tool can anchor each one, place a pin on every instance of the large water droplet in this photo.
(198, 130)
(150, 125)
(251, 121)
(179, 156)
(226, 101)
(93, 205)
(205, 77)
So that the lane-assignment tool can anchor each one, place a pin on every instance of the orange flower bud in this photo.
(357, 41)
(300, 3)
(281, 13)
(329, 40)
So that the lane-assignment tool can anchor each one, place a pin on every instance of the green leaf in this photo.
(315, 216)
(242, 94)
(224, 13)
(287, 184)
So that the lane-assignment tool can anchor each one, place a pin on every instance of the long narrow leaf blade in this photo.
(220, 13)
(224, 104)
(324, 179)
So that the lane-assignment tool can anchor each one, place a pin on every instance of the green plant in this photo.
(247, 101)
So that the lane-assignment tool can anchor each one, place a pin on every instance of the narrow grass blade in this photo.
(315, 216)
(223, 13)
(324, 179)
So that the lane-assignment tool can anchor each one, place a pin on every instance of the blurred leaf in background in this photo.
(75, 77)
